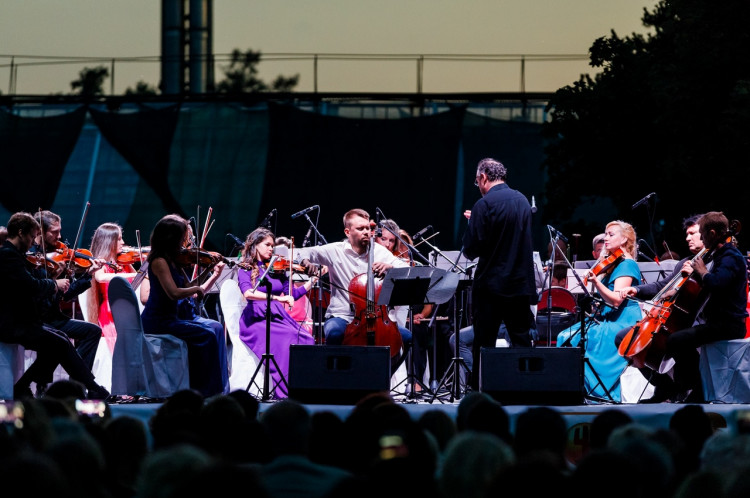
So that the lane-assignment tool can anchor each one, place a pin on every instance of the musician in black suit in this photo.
(725, 311)
(499, 234)
(20, 321)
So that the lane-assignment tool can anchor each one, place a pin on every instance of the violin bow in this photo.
(78, 235)
(291, 259)
(415, 245)
(44, 253)
(206, 228)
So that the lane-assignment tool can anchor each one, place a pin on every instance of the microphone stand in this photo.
(457, 363)
(318, 239)
(267, 358)
(588, 298)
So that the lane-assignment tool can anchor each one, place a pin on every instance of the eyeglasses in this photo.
(476, 180)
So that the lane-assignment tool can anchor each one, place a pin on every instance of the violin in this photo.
(130, 255)
(192, 256)
(674, 308)
(80, 259)
(37, 260)
(283, 265)
(606, 264)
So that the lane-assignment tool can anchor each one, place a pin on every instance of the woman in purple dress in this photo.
(285, 330)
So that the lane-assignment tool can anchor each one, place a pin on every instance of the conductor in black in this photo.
(499, 235)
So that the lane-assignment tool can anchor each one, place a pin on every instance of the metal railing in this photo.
(18, 63)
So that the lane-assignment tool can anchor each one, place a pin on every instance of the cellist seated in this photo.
(346, 260)
(719, 270)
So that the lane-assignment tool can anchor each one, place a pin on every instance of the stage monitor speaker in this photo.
(337, 375)
(532, 376)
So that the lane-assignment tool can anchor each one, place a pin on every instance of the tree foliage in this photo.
(241, 76)
(90, 81)
(669, 112)
(142, 88)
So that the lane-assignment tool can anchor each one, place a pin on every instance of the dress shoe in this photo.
(661, 395)
(691, 397)
(97, 392)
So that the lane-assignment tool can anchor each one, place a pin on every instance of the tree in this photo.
(669, 112)
(241, 76)
(141, 88)
(90, 81)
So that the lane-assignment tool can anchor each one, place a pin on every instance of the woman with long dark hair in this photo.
(285, 330)
(207, 354)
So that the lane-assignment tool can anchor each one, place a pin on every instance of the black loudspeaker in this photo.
(532, 376)
(337, 375)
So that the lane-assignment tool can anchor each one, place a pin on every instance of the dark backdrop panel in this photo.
(33, 155)
(519, 146)
(144, 139)
(406, 167)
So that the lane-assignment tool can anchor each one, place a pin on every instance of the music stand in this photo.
(416, 286)
(406, 287)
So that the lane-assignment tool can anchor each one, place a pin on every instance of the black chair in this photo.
(155, 366)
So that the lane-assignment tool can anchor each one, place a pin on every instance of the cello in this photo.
(371, 325)
(674, 308)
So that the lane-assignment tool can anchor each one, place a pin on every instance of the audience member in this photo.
(472, 460)
(604, 423)
(291, 473)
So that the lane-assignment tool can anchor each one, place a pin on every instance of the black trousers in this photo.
(52, 348)
(488, 311)
(85, 334)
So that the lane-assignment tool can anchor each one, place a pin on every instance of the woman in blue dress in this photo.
(612, 314)
(207, 353)
(284, 330)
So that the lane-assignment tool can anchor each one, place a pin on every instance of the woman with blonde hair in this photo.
(106, 243)
(613, 313)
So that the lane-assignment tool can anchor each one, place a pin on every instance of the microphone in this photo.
(557, 233)
(420, 233)
(377, 216)
(305, 211)
(645, 244)
(306, 240)
(533, 205)
(236, 239)
(644, 200)
(267, 220)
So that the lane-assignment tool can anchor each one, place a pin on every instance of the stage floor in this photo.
(578, 417)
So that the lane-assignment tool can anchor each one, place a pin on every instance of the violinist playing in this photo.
(662, 382)
(345, 260)
(22, 297)
(285, 330)
(615, 270)
(207, 348)
(106, 244)
(724, 312)
(85, 335)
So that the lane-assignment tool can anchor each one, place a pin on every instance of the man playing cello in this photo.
(345, 260)
(724, 312)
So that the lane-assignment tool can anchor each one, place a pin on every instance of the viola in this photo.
(674, 308)
(606, 264)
